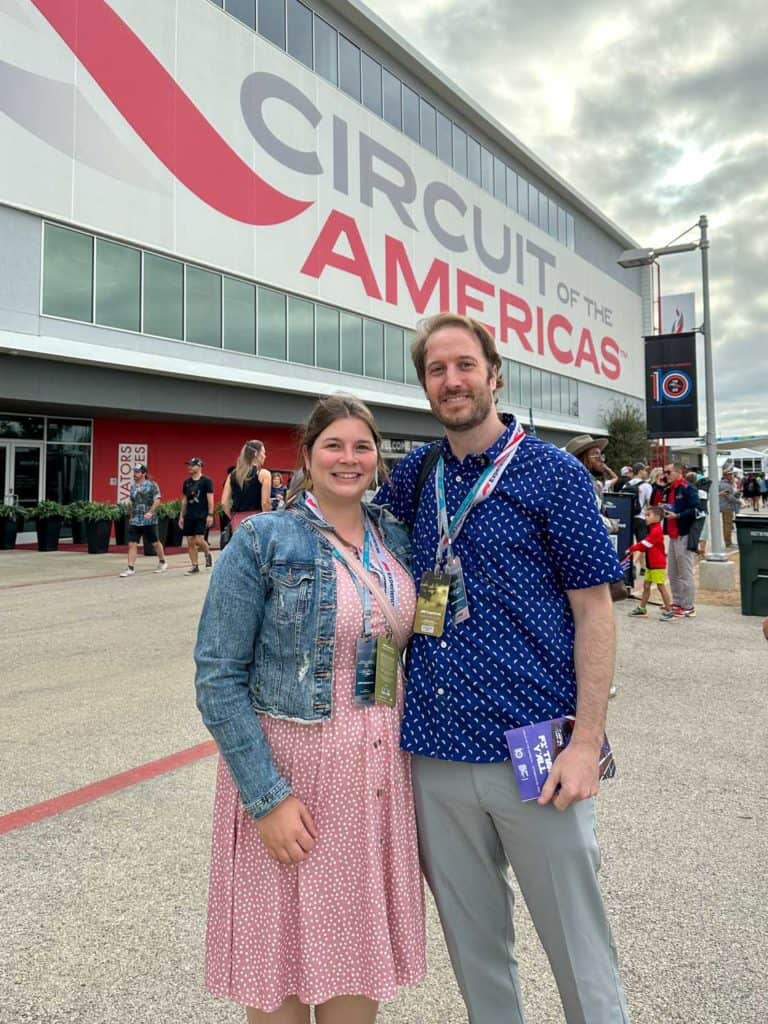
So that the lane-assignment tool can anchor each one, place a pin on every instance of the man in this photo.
(145, 497)
(730, 504)
(641, 492)
(680, 507)
(528, 636)
(196, 514)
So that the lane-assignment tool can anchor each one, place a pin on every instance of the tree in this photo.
(627, 435)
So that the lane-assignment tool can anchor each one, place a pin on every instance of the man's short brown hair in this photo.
(432, 324)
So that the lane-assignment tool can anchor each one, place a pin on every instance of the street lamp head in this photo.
(636, 258)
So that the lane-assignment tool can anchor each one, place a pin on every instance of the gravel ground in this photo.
(103, 907)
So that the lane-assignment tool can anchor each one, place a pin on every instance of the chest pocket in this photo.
(292, 592)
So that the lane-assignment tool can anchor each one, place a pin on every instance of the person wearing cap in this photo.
(589, 451)
(144, 498)
(196, 514)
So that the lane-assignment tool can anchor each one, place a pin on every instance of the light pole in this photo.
(644, 258)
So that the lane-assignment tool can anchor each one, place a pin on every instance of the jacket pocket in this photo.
(292, 593)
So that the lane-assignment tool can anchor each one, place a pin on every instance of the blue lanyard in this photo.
(483, 488)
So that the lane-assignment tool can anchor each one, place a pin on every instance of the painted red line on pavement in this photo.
(84, 795)
(78, 579)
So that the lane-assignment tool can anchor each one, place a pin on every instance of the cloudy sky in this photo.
(657, 113)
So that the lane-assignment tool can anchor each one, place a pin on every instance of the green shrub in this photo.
(47, 510)
(101, 511)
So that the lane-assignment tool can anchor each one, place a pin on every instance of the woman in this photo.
(248, 486)
(315, 892)
(658, 482)
(278, 491)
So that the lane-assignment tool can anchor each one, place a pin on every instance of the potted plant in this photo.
(98, 517)
(75, 510)
(121, 523)
(8, 527)
(168, 513)
(49, 517)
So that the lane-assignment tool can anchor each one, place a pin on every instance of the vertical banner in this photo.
(127, 455)
(678, 313)
(671, 400)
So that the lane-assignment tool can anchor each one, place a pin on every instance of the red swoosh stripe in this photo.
(163, 115)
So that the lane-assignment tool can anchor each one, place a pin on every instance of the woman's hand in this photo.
(288, 832)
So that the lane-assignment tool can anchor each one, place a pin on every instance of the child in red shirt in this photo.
(656, 565)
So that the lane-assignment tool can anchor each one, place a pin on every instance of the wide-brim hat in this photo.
(582, 442)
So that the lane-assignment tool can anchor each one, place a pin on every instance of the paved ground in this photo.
(103, 906)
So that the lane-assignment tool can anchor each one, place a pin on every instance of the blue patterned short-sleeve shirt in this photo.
(511, 663)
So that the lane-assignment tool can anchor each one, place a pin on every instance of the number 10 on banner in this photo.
(669, 385)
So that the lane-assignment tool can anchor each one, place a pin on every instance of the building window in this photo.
(393, 353)
(543, 212)
(203, 307)
(163, 297)
(487, 170)
(118, 285)
(499, 180)
(373, 334)
(561, 229)
(522, 197)
(327, 337)
(271, 20)
(512, 373)
(392, 99)
(570, 233)
(272, 324)
(444, 142)
(299, 38)
(525, 386)
(473, 160)
(349, 68)
(351, 343)
(411, 114)
(428, 124)
(371, 70)
(411, 377)
(552, 227)
(27, 428)
(68, 274)
(243, 10)
(67, 472)
(301, 331)
(460, 150)
(239, 315)
(511, 189)
(326, 51)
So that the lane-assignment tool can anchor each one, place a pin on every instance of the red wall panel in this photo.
(171, 443)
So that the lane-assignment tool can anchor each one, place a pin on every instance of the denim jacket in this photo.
(266, 638)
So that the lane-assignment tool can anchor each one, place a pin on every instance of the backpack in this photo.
(634, 490)
(428, 463)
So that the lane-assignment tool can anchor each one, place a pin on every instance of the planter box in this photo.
(48, 533)
(8, 533)
(78, 531)
(173, 537)
(98, 532)
(121, 525)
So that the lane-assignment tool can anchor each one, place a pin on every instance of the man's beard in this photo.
(481, 406)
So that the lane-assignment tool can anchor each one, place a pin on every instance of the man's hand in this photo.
(288, 832)
(181, 522)
(576, 770)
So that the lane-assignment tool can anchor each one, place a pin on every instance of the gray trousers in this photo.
(680, 563)
(472, 825)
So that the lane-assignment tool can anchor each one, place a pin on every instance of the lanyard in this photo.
(380, 565)
(483, 488)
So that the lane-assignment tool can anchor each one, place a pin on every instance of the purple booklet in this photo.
(533, 748)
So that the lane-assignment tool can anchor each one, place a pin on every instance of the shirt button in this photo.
(440, 691)
(379, 792)
(458, 478)
(443, 643)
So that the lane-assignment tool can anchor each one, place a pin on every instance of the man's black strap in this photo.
(428, 463)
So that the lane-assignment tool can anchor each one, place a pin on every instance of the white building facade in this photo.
(212, 212)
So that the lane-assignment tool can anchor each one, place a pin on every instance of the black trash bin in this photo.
(752, 535)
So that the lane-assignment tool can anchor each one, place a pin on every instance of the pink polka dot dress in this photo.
(350, 919)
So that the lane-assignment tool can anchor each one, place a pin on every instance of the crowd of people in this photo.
(249, 488)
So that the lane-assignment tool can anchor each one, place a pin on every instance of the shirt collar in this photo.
(490, 454)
